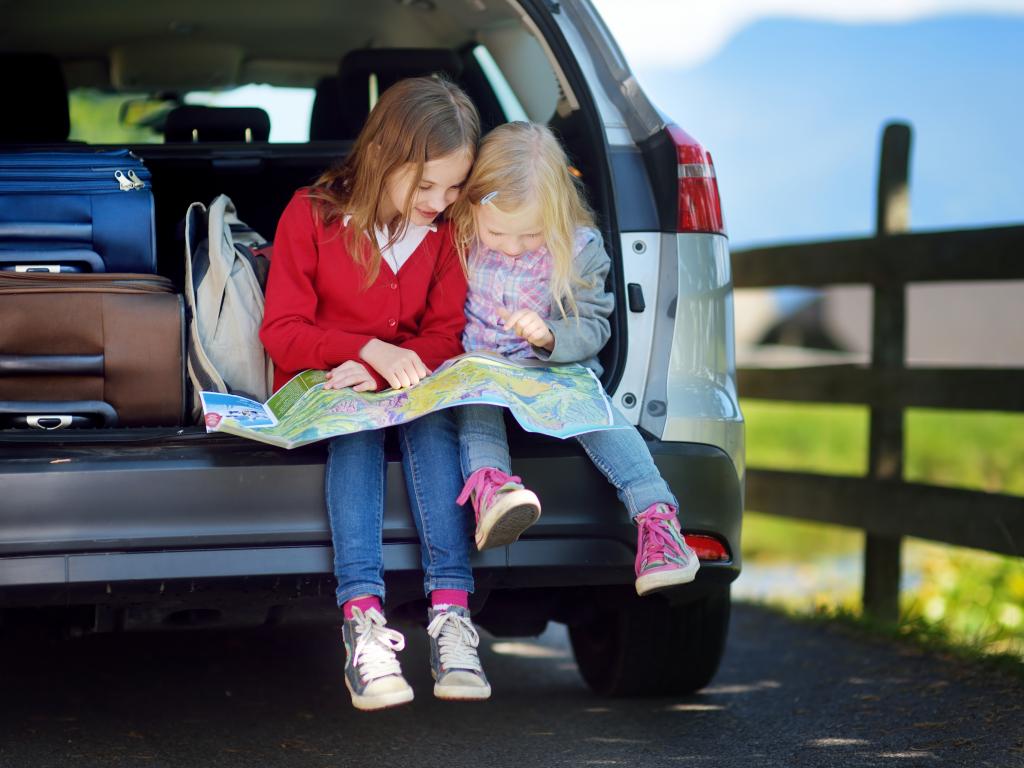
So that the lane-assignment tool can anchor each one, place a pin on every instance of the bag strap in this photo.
(201, 370)
(195, 214)
(221, 251)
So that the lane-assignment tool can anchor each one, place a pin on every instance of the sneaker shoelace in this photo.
(375, 646)
(483, 485)
(658, 538)
(457, 640)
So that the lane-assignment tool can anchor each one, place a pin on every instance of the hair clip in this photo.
(488, 197)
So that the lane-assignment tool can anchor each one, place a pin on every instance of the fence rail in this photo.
(959, 254)
(983, 389)
(882, 503)
(989, 521)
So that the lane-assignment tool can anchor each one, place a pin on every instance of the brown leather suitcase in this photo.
(90, 350)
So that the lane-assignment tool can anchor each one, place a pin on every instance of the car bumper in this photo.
(215, 509)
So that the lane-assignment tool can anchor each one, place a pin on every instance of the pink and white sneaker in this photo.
(663, 558)
(504, 508)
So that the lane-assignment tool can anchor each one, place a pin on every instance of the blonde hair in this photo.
(525, 165)
(416, 120)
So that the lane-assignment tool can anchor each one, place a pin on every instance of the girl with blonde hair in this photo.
(366, 284)
(537, 270)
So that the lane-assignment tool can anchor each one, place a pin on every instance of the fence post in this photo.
(882, 554)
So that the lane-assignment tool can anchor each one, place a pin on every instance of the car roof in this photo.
(107, 43)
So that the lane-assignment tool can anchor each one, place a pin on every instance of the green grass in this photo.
(961, 449)
(767, 538)
(95, 118)
(831, 439)
(965, 598)
(921, 634)
(975, 598)
(981, 451)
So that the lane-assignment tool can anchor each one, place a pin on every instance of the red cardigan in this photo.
(318, 315)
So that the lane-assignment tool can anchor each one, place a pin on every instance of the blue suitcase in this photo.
(76, 212)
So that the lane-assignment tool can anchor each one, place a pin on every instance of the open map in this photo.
(557, 400)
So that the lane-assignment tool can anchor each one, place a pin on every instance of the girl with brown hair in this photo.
(367, 285)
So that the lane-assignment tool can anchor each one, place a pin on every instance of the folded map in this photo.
(557, 400)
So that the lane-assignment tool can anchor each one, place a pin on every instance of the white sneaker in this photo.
(373, 675)
(454, 662)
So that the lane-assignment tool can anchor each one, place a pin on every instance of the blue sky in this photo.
(792, 111)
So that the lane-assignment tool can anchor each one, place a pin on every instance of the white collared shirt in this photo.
(400, 252)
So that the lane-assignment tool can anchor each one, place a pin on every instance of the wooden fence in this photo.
(882, 503)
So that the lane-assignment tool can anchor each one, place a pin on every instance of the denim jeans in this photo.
(621, 455)
(355, 481)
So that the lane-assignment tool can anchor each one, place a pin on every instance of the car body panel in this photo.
(691, 391)
(213, 511)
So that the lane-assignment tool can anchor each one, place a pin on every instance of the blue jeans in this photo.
(355, 478)
(621, 455)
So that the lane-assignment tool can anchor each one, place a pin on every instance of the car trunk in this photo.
(260, 178)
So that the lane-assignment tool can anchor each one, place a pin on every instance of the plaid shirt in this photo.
(497, 280)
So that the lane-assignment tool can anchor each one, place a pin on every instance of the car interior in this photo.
(196, 89)
(341, 53)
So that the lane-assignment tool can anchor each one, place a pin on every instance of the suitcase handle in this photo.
(63, 260)
(58, 414)
(50, 422)
(51, 365)
(46, 231)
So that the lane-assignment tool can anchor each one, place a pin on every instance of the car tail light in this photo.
(700, 208)
(707, 547)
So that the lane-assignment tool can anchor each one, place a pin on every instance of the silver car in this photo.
(119, 528)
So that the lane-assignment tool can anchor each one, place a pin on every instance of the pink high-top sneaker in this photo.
(504, 508)
(663, 558)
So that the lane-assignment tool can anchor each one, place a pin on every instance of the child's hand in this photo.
(527, 324)
(400, 367)
(350, 374)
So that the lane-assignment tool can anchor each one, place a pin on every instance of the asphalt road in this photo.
(788, 694)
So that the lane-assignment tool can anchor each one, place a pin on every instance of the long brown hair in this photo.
(416, 120)
(525, 164)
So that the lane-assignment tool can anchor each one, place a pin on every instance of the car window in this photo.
(102, 117)
(289, 108)
(99, 117)
(96, 118)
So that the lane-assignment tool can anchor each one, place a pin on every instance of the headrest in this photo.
(35, 99)
(204, 124)
(389, 65)
(325, 123)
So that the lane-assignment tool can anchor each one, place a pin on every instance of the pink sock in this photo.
(363, 604)
(446, 597)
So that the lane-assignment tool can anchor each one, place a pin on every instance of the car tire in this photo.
(649, 647)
